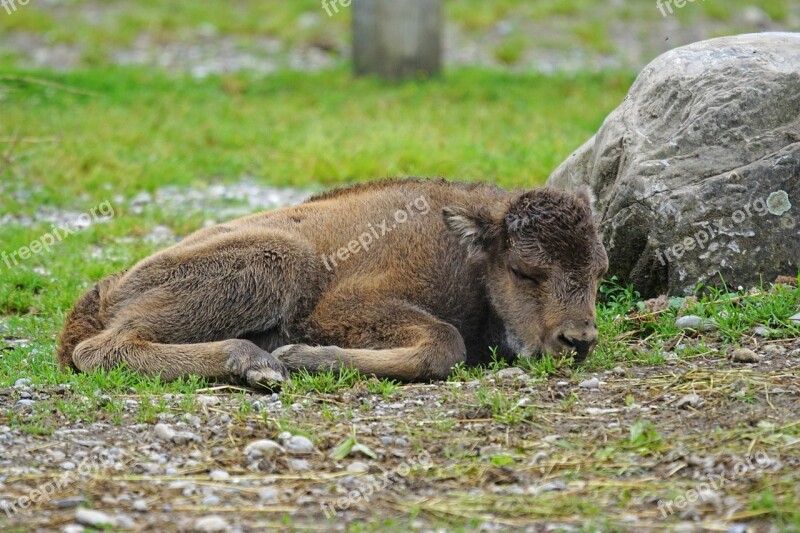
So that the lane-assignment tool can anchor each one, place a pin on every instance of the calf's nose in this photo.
(580, 339)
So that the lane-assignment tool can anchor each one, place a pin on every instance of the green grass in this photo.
(139, 129)
(130, 130)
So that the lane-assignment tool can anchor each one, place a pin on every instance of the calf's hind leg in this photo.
(191, 309)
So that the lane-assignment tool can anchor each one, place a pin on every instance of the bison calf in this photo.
(399, 278)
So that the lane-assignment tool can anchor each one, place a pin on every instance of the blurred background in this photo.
(264, 36)
(185, 113)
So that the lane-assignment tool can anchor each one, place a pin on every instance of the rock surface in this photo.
(697, 172)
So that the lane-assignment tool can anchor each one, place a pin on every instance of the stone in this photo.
(761, 331)
(267, 494)
(23, 405)
(592, 383)
(211, 500)
(70, 503)
(164, 432)
(124, 522)
(140, 505)
(694, 322)
(773, 349)
(218, 475)
(689, 400)
(22, 383)
(299, 444)
(695, 172)
(510, 372)
(263, 448)
(211, 524)
(744, 355)
(358, 467)
(92, 518)
(207, 400)
(298, 464)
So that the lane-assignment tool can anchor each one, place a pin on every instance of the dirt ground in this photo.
(698, 444)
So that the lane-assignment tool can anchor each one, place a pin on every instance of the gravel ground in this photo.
(435, 454)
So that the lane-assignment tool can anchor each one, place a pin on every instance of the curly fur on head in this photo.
(553, 223)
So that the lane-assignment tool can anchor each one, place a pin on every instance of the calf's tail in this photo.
(83, 321)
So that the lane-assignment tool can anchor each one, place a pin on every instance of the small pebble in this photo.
(68, 465)
(548, 487)
(744, 355)
(263, 448)
(510, 373)
(795, 318)
(357, 467)
(207, 401)
(23, 405)
(590, 384)
(211, 524)
(298, 464)
(619, 371)
(773, 349)
(218, 475)
(211, 500)
(164, 432)
(299, 444)
(73, 528)
(123, 521)
(489, 450)
(267, 494)
(689, 400)
(694, 322)
(140, 506)
(22, 382)
(70, 503)
(92, 518)
(761, 331)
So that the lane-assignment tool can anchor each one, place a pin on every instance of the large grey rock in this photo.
(697, 172)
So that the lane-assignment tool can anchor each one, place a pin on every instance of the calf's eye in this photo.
(523, 277)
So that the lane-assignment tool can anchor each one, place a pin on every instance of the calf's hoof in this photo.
(255, 367)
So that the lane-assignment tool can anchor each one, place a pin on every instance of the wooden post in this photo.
(397, 39)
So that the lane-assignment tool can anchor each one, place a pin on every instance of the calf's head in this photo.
(544, 263)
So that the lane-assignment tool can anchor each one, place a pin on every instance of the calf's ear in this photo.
(475, 227)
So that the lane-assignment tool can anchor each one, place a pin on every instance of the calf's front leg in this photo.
(387, 338)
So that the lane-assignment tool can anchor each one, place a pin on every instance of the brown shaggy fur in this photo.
(344, 279)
